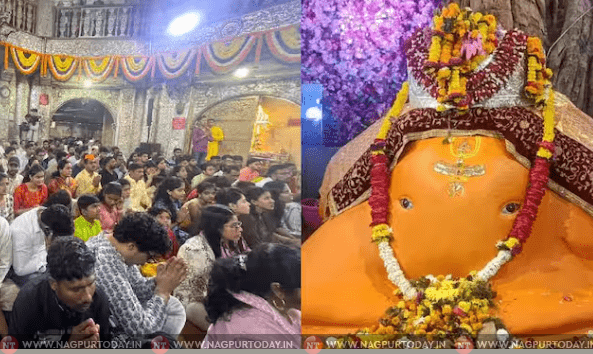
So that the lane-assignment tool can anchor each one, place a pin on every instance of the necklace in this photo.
(443, 306)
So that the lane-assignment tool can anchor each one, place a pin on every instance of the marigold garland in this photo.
(26, 65)
(100, 72)
(170, 66)
(106, 62)
(62, 68)
(460, 42)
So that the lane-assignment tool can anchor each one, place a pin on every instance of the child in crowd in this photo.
(109, 214)
(126, 192)
(163, 216)
(208, 169)
(87, 225)
(206, 194)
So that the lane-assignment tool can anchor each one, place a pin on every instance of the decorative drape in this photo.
(221, 57)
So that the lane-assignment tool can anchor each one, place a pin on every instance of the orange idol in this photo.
(468, 210)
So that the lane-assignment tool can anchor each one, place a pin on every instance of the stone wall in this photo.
(128, 103)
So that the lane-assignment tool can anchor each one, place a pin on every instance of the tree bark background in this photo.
(571, 58)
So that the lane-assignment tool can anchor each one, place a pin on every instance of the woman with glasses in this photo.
(220, 238)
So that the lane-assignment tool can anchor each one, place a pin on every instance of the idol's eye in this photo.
(511, 208)
(406, 203)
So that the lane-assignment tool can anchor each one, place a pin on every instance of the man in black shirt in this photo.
(108, 173)
(64, 305)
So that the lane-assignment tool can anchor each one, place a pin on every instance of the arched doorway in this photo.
(83, 118)
(238, 117)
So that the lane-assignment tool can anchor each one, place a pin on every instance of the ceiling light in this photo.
(88, 83)
(241, 73)
(183, 24)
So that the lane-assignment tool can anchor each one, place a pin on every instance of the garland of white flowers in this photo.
(397, 277)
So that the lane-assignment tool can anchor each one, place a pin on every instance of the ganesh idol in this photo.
(468, 209)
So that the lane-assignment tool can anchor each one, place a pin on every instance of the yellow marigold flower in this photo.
(446, 284)
(491, 20)
(435, 49)
(489, 47)
(532, 90)
(476, 17)
(395, 321)
(511, 242)
(467, 327)
(465, 306)
(533, 44)
(401, 305)
(447, 310)
(438, 22)
(483, 29)
(382, 231)
(148, 270)
(482, 317)
(443, 73)
(477, 303)
(454, 8)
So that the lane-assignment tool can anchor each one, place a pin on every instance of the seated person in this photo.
(87, 224)
(208, 170)
(109, 214)
(255, 297)
(65, 304)
(260, 225)
(31, 233)
(88, 180)
(139, 197)
(8, 290)
(140, 305)
(220, 238)
(281, 172)
(286, 212)
(163, 216)
(32, 193)
(206, 193)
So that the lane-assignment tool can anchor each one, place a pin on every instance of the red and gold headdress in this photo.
(467, 75)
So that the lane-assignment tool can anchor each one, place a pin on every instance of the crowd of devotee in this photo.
(97, 247)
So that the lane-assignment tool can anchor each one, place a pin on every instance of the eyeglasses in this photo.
(236, 225)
